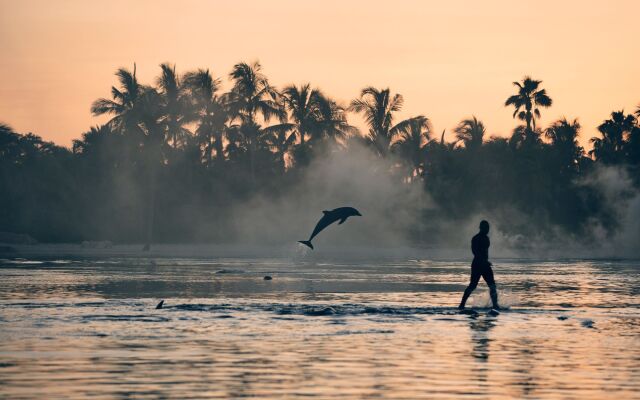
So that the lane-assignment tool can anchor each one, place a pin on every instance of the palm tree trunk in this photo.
(207, 149)
(421, 215)
(150, 211)
(252, 156)
(151, 205)
(252, 148)
(529, 120)
(219, 149)
(283, 161)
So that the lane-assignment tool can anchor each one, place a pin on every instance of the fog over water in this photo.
(397, 214)
(356, 178)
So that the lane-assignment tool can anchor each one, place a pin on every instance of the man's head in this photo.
(484, 227)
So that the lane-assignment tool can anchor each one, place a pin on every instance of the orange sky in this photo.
(449, 59)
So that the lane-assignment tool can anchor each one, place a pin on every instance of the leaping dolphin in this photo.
(329, 218)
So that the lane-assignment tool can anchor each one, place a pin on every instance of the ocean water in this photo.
(86, 327)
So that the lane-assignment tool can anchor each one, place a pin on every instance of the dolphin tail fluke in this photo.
(306, 243)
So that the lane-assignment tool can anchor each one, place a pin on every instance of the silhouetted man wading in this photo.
(480, 266)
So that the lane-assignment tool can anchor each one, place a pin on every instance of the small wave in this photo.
(320, 310)
(205, 307)
(23, 262)
(137, 318)
(357, 332)
(229, 271)
(55, 305)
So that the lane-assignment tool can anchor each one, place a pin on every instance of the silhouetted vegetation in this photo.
(176, 156)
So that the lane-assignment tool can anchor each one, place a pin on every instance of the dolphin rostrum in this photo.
(329, 218)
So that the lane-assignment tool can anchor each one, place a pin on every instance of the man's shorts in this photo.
(481, 270)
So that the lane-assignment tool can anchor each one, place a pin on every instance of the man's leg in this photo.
(475, 278)
(487, 274)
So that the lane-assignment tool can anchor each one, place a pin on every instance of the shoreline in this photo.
(296, 252)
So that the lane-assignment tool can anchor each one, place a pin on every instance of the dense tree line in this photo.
(182, 149)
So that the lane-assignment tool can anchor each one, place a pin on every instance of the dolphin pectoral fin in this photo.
(306, 243)
(342, 221)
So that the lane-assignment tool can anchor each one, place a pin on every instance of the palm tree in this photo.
(471, 132)
(522, 137)
(563, 132)
(177, 108)
(138, 110)
(564, 139)
(313, 117)
(4, 128)
(529, 98)
(153, 123)
(304, 105)
(611, 147)
(333, 123)
(632, 144)
(211, 112)
(9, 141)
(124, 106)
(378, 107)
(236, 146)
(93, 141)
(280, 141)
(410, 144)
(251, 95)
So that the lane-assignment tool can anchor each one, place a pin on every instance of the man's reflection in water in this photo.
(481, 327)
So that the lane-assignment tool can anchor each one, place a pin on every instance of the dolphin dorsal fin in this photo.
(325, 212)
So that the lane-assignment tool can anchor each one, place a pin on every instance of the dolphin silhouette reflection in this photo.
(329, 218)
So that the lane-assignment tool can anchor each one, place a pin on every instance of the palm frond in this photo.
(105, 106)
